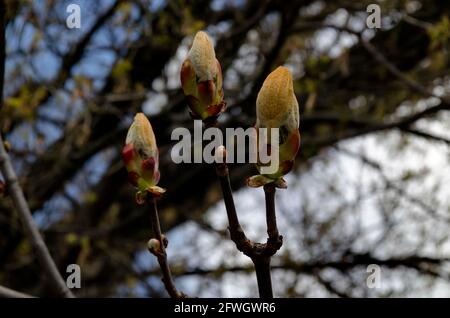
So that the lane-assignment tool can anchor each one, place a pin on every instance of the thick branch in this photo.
(262, 269)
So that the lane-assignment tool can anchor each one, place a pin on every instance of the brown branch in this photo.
(275, 240)
(6, 292)
(260, 254)
(426, 135)
(400, 123)
(237, 234)
(263, 277)
(160, 253)
(274, 243)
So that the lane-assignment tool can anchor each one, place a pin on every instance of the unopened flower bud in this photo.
(201, 79)
(277, 107)
(140, 156)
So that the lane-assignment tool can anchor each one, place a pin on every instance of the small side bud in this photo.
(154, 246)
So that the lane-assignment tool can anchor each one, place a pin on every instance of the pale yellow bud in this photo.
(277, 107)
(153, 245)
(203, 57)
(141, 136)
(276, 104)
(140, 156)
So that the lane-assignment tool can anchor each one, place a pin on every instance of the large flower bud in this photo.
(140, 156)
(201, 79)
(277, 107)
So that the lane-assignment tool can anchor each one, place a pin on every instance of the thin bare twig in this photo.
(256, 251)
(237, 234)
(259, 253)
(160, 253)
(275, 240)
(426, 135)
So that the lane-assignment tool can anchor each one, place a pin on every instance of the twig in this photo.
(260, 254)
(426, 135)
(237, 234)
(275, 240)
(16, 193)
(262, 269)
(256, 251)
(262, 257)
(160, 253)
(6, 292)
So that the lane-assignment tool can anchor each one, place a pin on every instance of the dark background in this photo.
(370, 184)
